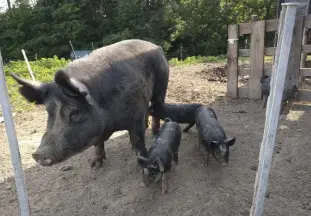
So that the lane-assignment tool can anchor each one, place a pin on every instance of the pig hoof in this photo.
(164, 191)
(96, 164)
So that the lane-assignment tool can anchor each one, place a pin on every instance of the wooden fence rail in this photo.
(257, 51)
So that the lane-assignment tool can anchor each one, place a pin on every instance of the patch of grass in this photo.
(43, 70)
(196, 60)
(208, 59)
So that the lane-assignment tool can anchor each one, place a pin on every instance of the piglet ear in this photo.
(33, 91)
(231, 142)
(71, 86)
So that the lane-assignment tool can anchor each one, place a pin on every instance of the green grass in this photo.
(43, 70)
(208, 59)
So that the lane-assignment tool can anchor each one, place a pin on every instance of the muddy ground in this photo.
(72, 188)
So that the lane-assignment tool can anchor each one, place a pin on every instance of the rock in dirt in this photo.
(254, 167)
(66, 168)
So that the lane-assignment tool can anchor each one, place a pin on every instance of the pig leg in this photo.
(137, 137)
(99, 156)
(188, 127)
(206, 158)
(155, 125)
(146, 124)
(264, 102)
(175, 157)
(164, 183)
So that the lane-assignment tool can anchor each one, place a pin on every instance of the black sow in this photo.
(160, 155)
(212, 136)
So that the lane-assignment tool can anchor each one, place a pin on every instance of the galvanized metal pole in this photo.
(273, 109)
(73, 50)
(15, 154)
(28, 65)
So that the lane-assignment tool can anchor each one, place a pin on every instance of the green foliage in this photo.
(44, 29)
(43, 70)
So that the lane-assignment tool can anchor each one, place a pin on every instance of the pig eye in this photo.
(74, 116)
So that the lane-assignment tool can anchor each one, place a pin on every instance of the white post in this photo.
(28, 65)
(15, 155)
(73, 50)
(273, 108)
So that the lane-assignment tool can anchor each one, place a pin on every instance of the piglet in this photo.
(212, 136)
(160, 155)
(180, 113)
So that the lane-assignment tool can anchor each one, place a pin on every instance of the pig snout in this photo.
(43, 159)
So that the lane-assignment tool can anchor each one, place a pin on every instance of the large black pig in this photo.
(95, 96)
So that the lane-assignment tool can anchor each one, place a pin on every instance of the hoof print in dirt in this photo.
(66, 168)
(163, 151)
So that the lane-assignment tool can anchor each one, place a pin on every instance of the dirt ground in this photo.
(74, 189)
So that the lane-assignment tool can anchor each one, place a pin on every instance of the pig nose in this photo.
(42, 159)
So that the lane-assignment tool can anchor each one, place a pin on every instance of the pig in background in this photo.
(289, 93)
(93, 97)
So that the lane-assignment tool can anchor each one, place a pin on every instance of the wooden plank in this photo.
(256, 59)
(243, 71)
(269, 51)
(243, 52)
(245, 28)
(246, 71)
(304, 95)
(243, 92)
(13, 144)
(305, 72)
(307, 21)
(267, 146)
(232, 83)
(295, 52)
(272, 25)
(306, 49)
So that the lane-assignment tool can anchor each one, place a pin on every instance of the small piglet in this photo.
(160, 155)
(180, 113)
(212, 136)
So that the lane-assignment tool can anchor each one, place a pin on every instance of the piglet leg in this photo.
(164, 183)
(99, 156)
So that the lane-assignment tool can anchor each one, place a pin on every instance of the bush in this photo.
(43, 70)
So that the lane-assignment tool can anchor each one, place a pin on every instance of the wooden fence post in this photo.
(295, 54)
(232, 57)
(257, 50)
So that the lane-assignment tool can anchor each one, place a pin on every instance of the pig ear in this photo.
(231, 142)
(33, 91)
(159, 162)
(71, 86)
(167, 119)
